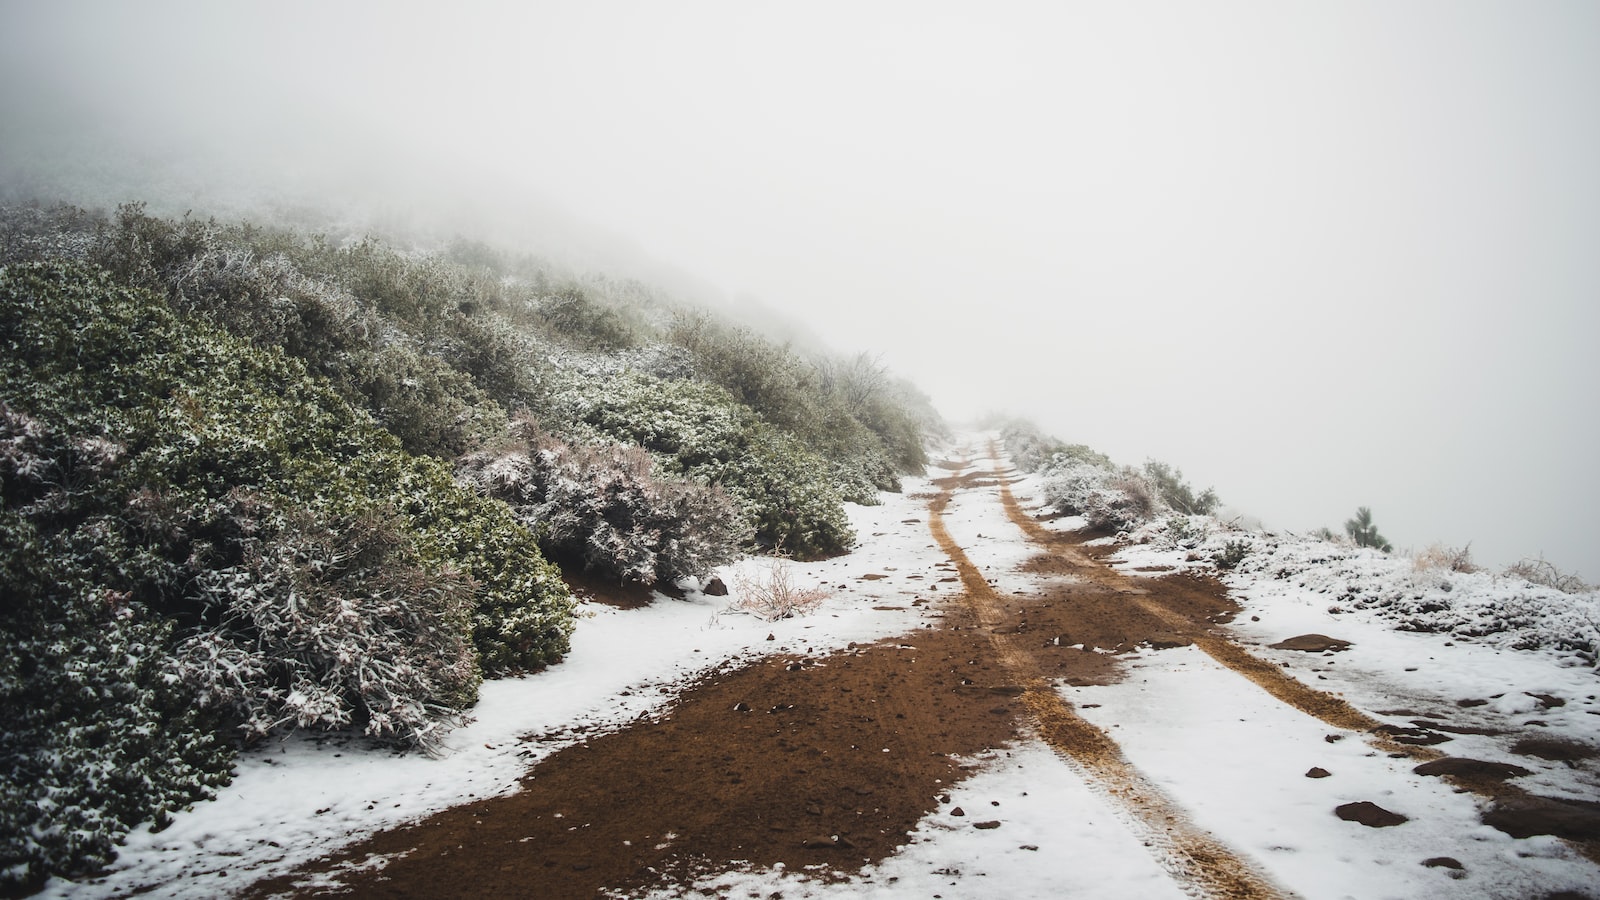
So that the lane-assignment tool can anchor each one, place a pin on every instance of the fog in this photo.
(1318, 256)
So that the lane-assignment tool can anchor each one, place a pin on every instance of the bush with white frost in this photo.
(605, 507)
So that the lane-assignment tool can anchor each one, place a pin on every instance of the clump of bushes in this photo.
(696, 430)
(204, 544)
(604, 507)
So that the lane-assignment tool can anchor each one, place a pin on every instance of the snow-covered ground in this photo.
(1226, 751)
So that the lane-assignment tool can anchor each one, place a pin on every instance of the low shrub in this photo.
(240, 547)
(1545, 574)
(698, 431)
(1176, 493)
(604, 507)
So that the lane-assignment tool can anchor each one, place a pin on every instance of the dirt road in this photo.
(826, 764)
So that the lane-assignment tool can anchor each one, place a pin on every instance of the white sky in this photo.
(1317, 255)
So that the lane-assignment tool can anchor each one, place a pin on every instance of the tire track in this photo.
(1202, 864)
(1325, 707)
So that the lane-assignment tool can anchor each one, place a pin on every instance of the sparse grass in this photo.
(775, 595)
(1543, 572)
(1450, 559)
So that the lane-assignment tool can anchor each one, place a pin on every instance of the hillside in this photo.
(337, 560)
(258, 481)
(992, 698)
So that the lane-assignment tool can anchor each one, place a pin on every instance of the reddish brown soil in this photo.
(825, 764)
(780, 762)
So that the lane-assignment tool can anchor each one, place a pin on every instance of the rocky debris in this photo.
(1167, 640)
(1312, 643)
(1464, 767)
(1318, 772)
(1369, 814)
(1444, 862)
(1554, 749)
(986, 826)
(716, 587)
(1523, 817)
(1467, 704)
(1548, 701)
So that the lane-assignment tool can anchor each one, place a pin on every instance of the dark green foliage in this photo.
(583, 322)
(853, 413)
(1364, 532)
(699, 431)
(1231, 555)
(604, 508)
(1177, 493)
(238, 546)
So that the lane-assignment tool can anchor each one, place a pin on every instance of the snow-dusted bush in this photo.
(697, 430)
(604, 506)
(1176, 493)
(1500, 610)
(1031, 450)
(329, 625)
(201, 542)
(1106, 498)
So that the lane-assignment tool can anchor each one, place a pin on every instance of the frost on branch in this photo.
(604, 507)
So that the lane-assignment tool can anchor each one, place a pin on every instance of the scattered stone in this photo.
(1524, 817)
(872, 577)
(958, 811)
(1167, 640)
(1444, 862)
(1548, 701)
(1369, 814)
(1462, 766)
(1317, 772)
(771, 636)
(716, 587)
(1030, 846)
(741, 706)
(986, 826)
(1312, 643)
(1553, 749)
(1333, 738)
(1467, 704)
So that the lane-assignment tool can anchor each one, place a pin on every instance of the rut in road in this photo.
(1196, 859)
(1164, 599)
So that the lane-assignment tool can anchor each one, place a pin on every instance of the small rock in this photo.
(1525, 817)
(1443, 862)
(1460, 765)
(715, 588)
(1369, 814)
(958, 811)
(1548, 701)
(1317, 772)
(1312, 643)
(1471, 703)
(1030, 847)
(986, 826)
(771, 636)
(741, 706)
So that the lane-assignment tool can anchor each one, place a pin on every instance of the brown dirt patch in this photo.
(799, 776)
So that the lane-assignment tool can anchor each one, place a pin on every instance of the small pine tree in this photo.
(1364, 533)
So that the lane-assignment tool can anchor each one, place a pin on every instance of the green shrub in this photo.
(1364, 533)
(1177, 493)
(604, 508)
(701, 432)
(237, 546)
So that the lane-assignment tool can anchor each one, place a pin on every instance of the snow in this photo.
(1225, 751)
